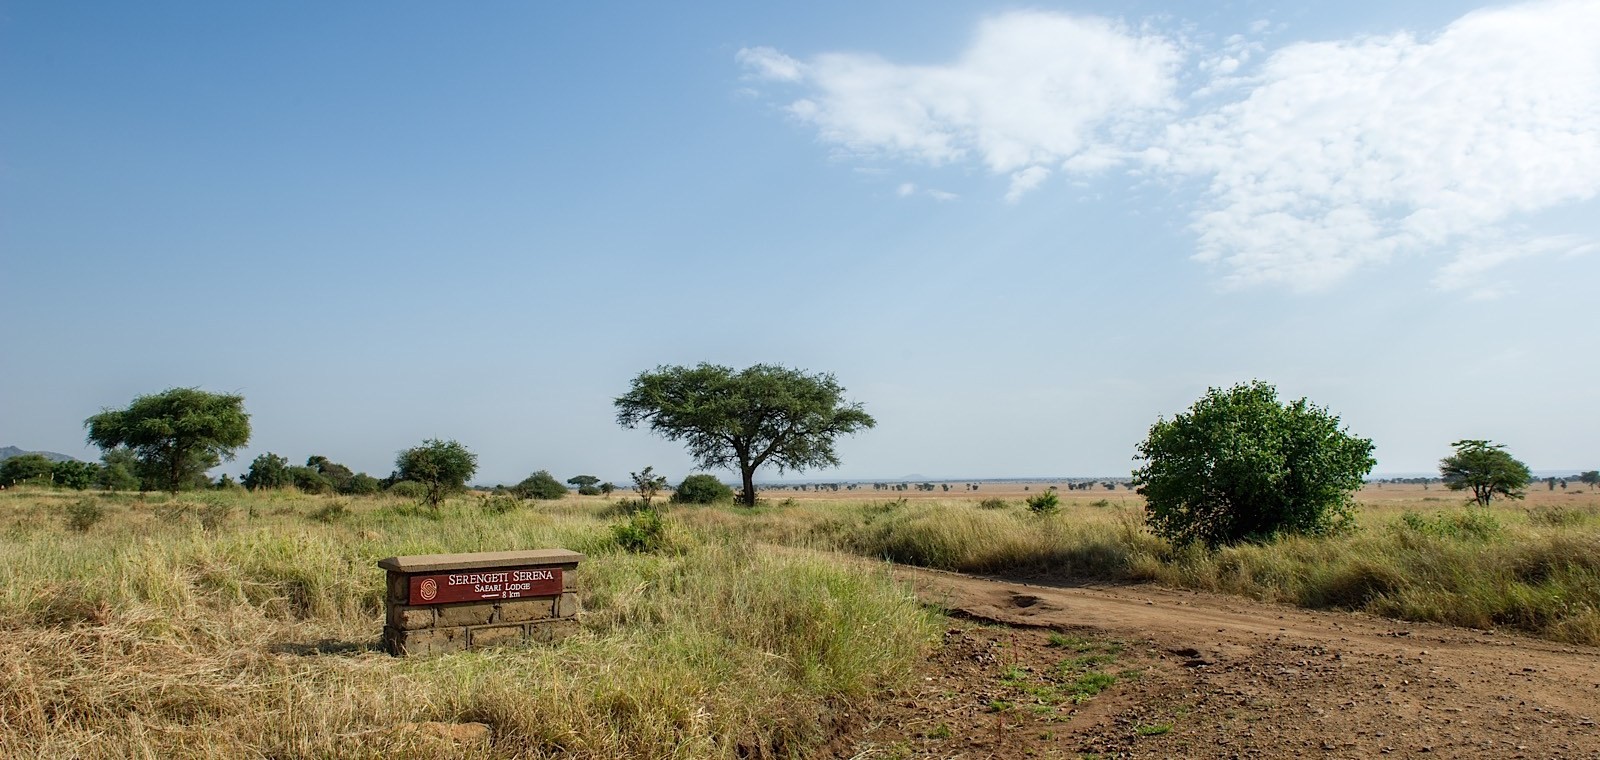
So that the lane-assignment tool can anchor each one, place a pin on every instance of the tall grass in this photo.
(1534, 570)
(151, 635)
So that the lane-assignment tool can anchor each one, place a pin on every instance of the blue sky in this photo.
(1017, 234)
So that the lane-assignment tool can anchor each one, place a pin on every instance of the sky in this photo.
(1017, 234)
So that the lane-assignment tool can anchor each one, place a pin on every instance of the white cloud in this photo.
(906, 189)
(1344, 154)
(769, 64)
(1317, 159)
(1032, 90)
(1026, 180)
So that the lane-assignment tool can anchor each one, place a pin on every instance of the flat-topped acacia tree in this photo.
(176, 435)
(761, 415)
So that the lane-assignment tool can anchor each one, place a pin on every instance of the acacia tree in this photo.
(1486, 469)
(267, 471)
(442, 467)
(764, 414)
(1590, 478)
(1240, 465)
(176, 435)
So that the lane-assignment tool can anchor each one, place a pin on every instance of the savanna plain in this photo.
(852, 625)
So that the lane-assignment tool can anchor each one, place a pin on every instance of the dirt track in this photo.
(1236, 678)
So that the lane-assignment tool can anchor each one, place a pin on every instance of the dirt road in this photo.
(1227, 677)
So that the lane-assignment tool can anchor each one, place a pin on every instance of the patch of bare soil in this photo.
(1186, 674)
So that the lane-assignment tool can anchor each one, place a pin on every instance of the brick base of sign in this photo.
(413, 627)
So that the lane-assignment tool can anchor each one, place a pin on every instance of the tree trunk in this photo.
(748, 473)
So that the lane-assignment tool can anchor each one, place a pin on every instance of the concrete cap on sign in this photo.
(427, 563)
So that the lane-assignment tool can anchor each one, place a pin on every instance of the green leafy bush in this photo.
(83, 514)
(408, 489)
(333, 511)
(499, 504)
(994, 503)
(1239, 465)
(540, 485)
(645, 531)
(701, 489)
(1046, 503)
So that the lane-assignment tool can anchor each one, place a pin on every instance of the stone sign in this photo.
(439, 603)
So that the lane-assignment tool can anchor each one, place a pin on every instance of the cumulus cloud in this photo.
(1032, 90)
(1316, 159)
(1342, 154)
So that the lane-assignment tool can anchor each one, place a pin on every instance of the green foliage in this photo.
(83, 514)
(701, 489)
(74, 474)
(765, 414)
(177, 434)
(644, 531)
(268, 471)
(647, 484)
(28, 468)
(540, 485)
(495, 504)
(1590, 478)
(607, 487)
(588, 485)
(1485, 469)
(338, 476)
(1046, 503)
(442, 467)
(117, 471)
(333, 511)
(1239, 466)
(994, 503)
(363, 484)
(408, 489)
(308, 480)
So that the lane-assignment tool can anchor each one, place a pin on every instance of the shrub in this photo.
(994, 503)
(333, 511)
(363, 484)
(308, 480)
(214, 514)
(540, 485)
(408, 489)
(645, 531)
(701, 489)
(1045, 503)
(1238, 465)
(498, 505)
(83, 514)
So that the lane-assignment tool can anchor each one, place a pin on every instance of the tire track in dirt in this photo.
(1249, 679)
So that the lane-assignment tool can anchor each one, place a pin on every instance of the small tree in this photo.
(1240, 465)
(28, 468)
(1590, 478)
(607, 487)
(761, 415)
(177, 434)
(540, 485)
(701, 489)
(442, 467)
(268, 471)
(74, 474)
(116, 472)
(1486, 469)
(586, 484)
(647, 484)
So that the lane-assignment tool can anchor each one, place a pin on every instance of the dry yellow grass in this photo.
(153, 635)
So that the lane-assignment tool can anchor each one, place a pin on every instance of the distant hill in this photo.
(12, 451)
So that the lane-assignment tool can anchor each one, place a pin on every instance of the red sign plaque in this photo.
(484, 585)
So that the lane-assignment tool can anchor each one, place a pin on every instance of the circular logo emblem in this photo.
(428, 590)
